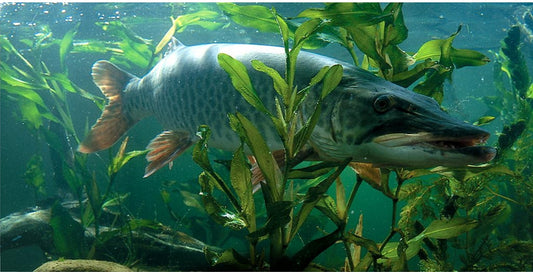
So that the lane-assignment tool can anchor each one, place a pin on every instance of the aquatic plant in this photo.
(279, 221)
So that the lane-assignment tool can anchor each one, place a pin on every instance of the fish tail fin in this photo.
(114, 121)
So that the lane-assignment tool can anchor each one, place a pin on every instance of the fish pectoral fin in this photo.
(368, 173)
(166, 147)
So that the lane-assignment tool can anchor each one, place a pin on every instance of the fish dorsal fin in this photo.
(173, 45)
(114, 122)
(164, 148)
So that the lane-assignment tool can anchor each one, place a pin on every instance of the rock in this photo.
(81, 265)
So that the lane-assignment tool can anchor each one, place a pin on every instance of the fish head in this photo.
(375, 121)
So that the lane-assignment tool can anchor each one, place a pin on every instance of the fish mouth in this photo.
(469, 146)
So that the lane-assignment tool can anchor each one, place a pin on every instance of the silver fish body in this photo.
(366, 118)
(188, 88)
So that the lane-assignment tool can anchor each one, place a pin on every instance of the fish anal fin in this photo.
(114, 121)
(164, 148)
(368, 172)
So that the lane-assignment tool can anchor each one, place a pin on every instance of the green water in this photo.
(472, 93)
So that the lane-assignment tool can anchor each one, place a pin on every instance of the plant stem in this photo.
(349, 255)
(276, 246)
(226, 191)
(394, 208)
(354, 192)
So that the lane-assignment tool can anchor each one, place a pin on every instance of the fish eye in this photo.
(383, 103)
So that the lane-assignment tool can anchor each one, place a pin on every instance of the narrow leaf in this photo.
(280, 85)
(241, 81)
(331, 79)
(260, 150)
(221, 215)
(241, 180)
(66, 45)
(327, 206)
(446, 229)
(258, 17)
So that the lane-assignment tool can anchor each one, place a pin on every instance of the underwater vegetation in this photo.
(483, 214)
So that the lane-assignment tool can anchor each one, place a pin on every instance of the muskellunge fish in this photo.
(366, 118)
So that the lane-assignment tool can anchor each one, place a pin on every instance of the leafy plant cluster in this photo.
(463, 209)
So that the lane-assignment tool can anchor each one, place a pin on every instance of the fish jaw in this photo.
(424, 149)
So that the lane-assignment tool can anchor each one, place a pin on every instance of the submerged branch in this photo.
(153, 247)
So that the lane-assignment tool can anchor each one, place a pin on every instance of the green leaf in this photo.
(433, 86)
(398, 59)
(303, 134)
(484, 120)
(93, 46)
(24, 93)
(191, 200)
(199, 153)
(121, 158)
(68, 235)
(328, 207)
(509, 135)
(515, 64)
(66, 45)
(405, 79)
(429, 50)
(113, 205)
(390, 250)
(117, 28)
(283, 29)
(8, 47)
(241, 81)
(443, 51)
(139, 223)
(241, 180)
(180, 23)
(34, 174)
(11, 78)
(302, 33)
(63, 80)
(370, 245)
(446, 229)
(313, 171)
(305, 30)
(280, 85)
(341, 199)
(72, 179)
(30, 113)
(396, 31)
(313, 195)
(255, 16)
(466, 57)
(348, 14)
(278, 216)
(331, 79)
(261, 152)
(365, 39)
(221, 215)
(165, 195)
